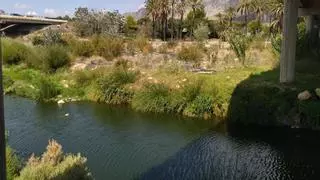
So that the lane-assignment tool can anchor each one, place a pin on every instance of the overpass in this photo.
(21, 25)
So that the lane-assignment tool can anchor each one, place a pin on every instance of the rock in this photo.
(305, 95)
(61, 102)
(67, 115)
(318, 92)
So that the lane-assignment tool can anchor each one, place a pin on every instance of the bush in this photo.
(49, 37)
(53, 164)
(254, 27)
(201, 106)
(139, 44)
(239, 43)
(113, 85)
(202, 32)
(56, 57)
(47, 89)
(153, 98)
(13, 164)
(190, 54)
(82, 48)
(108, 47)
(14, 52)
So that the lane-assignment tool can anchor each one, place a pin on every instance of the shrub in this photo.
(13, 164)
(153, 98)
(254, 27)
(202, 32)
(53, 164)
(139, 44)
(108, 47)
(190, 54)
(47, 89)
(56, 57)
(14, 52)
(201, 106)
(83, 48)
(49, 37)
(239, 43)
(113, 85)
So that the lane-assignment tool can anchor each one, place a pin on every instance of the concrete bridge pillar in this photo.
(288, 48)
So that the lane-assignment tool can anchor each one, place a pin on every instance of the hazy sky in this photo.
(63, 7)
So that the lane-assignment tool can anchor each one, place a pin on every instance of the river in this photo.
(122, 144)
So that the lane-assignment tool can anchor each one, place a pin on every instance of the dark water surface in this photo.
(122, 144)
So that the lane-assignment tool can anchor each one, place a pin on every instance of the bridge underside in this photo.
(19, 29)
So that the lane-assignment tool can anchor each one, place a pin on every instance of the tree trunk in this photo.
(153, 27)
(193, 20)
(246, 20)
(181, 23)
(172, 19)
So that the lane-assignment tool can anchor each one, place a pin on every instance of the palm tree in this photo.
(164, 10)
(181, 8)
(244, 7)
(258, 8)
(230, 12)
(276, 7)
(173, 2)
(195, 4)
(153, 11)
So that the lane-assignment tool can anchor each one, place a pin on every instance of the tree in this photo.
(258, 9)
(276, 7)
(230, 12)
(164, 9)
(244, 7)
(181, 8)
(131, 25)
(173, 3)
(195, 4)
(152, 7)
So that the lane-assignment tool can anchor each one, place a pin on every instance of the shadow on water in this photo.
(251, 153)
(257, 143)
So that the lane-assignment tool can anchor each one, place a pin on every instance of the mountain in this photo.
(138, 14)
(212, 8)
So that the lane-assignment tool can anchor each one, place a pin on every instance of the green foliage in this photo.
(82, 48)
(14, 52)
(113, 85)
(200, 106)
(254, 27)
(88, 23)
(130, 26)
(13, 164)
(53, 164)
(56, 56)
(153, 98)
(201, 33)
(239, 43)
(49, 37)
(108, 47)
(190, 54)
(276, 41)
(194, 19)
(140, 44)
(47, 89)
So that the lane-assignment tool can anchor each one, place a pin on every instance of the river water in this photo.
(122, 144)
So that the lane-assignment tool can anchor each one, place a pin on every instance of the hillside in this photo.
(212, 8)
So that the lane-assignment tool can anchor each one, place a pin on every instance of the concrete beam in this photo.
(288, 48)
(309, 11)
(29, 20)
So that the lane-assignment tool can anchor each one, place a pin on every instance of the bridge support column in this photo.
(288, 48)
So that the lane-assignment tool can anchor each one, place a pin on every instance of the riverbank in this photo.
(163, 91)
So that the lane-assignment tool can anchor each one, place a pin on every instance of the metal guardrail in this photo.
(29, 20)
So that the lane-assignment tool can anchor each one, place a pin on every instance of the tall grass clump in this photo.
(55, 57)
(239, 43)
(14, 52)
(152, 98)
(53, 164)
(139, 44)
(48, 37)
(113, 85)
(47, 89)
(13, 164)
(190, 54)
(83, 48)
(201, 106)
(107, 46)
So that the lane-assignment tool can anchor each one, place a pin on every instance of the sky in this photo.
(65, 7)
